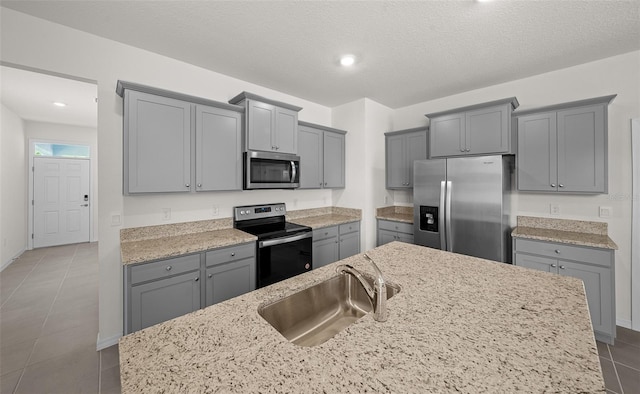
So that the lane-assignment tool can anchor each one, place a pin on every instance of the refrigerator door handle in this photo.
(443, 232)
(448, 218)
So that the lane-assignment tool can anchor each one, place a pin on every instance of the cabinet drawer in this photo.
(400, 227)
(231, 253)
(323, 233)
(164, 268)
(349, 228)
(583, 254)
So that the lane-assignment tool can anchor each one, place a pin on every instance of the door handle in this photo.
(442, 231)
(448, 219)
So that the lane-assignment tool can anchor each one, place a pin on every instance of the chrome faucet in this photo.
(377, 293)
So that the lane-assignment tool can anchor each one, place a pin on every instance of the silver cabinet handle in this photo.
(468, 149)
(561, 185)
(84, 205)
(168, 268)
(562, 267)
(233, 254)
(325, 183)
(196, 279)
(320, 183)
(326, 233)
(210, 276)
(199, 185)
(557, 251)
(187, 185)
(461, 150)
(553, 266)
(553, 185)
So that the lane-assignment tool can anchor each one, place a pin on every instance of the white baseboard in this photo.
(107, 342)
(5, 264)
(624, 323)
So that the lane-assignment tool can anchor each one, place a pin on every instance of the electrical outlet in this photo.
(554, 209)
(166, 213)
(605, 212)
(386, 200)
(116, 219)
(215, 210)
(4, 243)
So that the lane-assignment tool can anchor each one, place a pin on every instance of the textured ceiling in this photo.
(408, 51)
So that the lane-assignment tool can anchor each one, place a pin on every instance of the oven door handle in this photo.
(279, 241)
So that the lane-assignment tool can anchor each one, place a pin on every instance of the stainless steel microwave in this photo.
(267, 170)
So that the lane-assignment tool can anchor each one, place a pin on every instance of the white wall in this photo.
(615, 75)
(32, 42)
(43, 131)
(13, 187)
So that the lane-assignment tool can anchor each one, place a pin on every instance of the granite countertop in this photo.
(459, 324)
(574, 232)
(150, 243)
(396, 214)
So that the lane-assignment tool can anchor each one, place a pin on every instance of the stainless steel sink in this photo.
(316, 314)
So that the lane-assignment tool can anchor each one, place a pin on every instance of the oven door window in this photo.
(280, 262)
(272, 171)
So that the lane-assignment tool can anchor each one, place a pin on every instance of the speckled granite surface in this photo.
(324, 217)
(459, 324)
(395, 213)
(174, 229)
(575, 232)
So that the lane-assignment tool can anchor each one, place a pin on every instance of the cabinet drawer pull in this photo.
(553, 185)
(168, 268)
(233, 254)
(199, 184)
(210, 276)
(187, 185)
(562, 267)
(557, 251)
(561, 185)
(197, 279)
(553, 266)
(325, 183)
(468, 150)
(326, 233)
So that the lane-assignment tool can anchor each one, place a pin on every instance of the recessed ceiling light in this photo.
(347, 60)
(59, 104)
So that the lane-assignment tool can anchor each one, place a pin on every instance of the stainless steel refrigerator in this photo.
(462, 205)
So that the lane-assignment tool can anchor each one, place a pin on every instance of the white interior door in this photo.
(60, 201)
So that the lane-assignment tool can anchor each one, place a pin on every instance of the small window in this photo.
(61, 150)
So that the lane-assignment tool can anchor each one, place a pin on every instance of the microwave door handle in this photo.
(293, 171)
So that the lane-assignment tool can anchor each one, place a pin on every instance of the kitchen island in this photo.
(459, 324)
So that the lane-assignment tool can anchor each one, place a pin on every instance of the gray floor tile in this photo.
(72, 318)
(9, 381)
(603, 351)
(75, 372)
(628, 336)
(14, 355)
(626, 354)
(609, 374)
(629, 378)
(20, 330)
(73, 340)
(109, 357)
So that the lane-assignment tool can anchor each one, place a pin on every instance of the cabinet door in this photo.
(447, 136)
(325, 252)
(286, 131)
(536, 262)
(310, 152)
(165, 299)
(396, 162)
(334, 160)
(406, 238)
(261, 121)
(416, 149)
(597, 285)
(349, 244)
(386, 236)
(582, 150)
(537, 152)
(157, 144)
(488, 130)
(228, 280)
(218, 149)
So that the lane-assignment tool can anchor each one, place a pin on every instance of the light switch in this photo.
(116, 219)
(605, 212)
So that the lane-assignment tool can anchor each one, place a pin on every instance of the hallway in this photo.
(49, 324)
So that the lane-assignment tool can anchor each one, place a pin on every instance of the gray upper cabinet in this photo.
(218, 149)
(402, 148)
(179, 143)
(271, 126)
(563, 148)
(474, 130)
(322, 156)
(157, 144)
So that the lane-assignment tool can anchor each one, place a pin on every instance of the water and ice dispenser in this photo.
(428, 218)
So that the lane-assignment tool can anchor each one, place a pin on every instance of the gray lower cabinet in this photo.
(157, 144)
(389, 231)
(563, 148)
(162, 290)
(230, 272)
(594, 266)
(218, 149)
(334, 243)
(402, 148)
(322, 156)
(480, 129)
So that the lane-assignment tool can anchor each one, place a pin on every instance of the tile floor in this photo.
(49, 324)
(49, 328)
